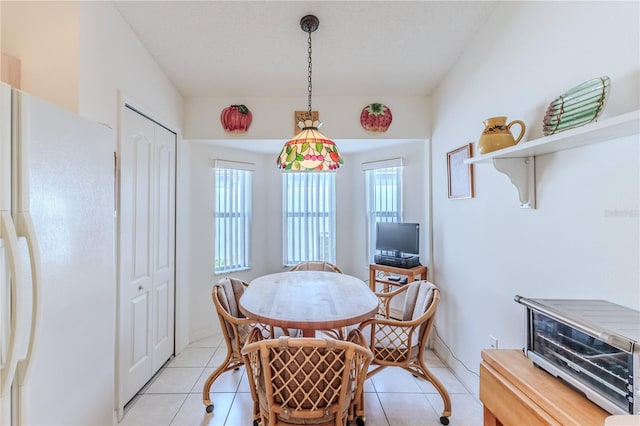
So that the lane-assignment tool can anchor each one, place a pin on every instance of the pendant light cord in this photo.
(309, 75)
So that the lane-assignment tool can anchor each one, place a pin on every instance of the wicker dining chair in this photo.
(306, 380)
(235, 328)
(402, 343)
(316, 265)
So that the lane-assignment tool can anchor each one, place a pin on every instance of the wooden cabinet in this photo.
(515, 392)
(378, 274)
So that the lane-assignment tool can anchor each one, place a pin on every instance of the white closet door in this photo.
(147, 250)
(164, 187)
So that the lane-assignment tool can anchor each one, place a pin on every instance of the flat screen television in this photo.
(398, 239)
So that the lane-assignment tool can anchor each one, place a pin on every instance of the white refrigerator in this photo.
(57, 265)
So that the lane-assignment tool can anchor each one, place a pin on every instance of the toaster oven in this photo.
(593, 345)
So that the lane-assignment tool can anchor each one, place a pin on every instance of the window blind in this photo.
(232, 216)
(384, 196)
(309, 224)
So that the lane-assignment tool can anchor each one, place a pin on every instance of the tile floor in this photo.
(393, 397)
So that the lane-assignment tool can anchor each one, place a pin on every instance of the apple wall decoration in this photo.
(376, 118)
(236, 119)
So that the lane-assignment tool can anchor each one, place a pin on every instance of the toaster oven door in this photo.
(600, 367)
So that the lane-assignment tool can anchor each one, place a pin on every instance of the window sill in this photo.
(228, 271)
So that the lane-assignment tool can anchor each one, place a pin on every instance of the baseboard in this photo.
(470, 380)
(202, 334)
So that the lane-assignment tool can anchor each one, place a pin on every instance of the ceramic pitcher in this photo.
(497, 134)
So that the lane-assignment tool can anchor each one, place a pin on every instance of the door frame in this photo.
(180, 294)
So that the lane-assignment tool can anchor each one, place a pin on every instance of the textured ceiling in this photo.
(256, 48)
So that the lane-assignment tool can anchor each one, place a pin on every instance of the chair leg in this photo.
(257, 419)
(446, 399)
(226, 365)
(358, 410)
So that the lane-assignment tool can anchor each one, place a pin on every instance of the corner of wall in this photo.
(44, 36)
(469, 379)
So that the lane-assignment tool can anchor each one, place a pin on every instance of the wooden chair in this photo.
(316, 265)
(402, 343)
(235, 329)
(306, 380)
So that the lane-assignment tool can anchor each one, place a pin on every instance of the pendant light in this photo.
(309, 150)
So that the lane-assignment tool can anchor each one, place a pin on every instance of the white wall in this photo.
(487, 249)
(44, 36)
(112, 60)
(415, 194)
(202, 317)
(78, 55)
(266, 232)
(114, 65)
(273, 117)
(273, 120)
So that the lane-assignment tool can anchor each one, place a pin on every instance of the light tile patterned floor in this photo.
(393, 397)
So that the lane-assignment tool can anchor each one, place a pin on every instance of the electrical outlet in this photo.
(493, 342)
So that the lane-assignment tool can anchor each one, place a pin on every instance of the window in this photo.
(384, 196)
(309, 219)
(232, 216)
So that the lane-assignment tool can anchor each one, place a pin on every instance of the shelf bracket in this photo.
(522, 173)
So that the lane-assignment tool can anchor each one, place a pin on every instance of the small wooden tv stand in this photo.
(379, 274)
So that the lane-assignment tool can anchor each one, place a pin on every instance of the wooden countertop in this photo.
(515, 392)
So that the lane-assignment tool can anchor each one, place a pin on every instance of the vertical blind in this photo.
(232, 216)
(384, 196)
(309, 217)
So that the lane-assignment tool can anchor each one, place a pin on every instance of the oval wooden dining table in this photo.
(308, 300)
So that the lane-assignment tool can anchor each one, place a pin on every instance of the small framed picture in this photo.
(459, 174)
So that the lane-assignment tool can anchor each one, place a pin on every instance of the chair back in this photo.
(316, 265)
(226, 296)
(305, 380)
(419, 298)
(401, 341)
(235, 326)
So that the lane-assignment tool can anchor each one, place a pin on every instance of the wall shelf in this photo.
(518, 162)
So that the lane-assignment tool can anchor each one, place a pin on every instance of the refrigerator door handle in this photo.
(26, 230)
(8, 369)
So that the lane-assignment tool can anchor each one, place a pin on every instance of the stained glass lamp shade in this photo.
(309, 150)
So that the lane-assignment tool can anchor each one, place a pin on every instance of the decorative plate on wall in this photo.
(236, 119)
(376, 118)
